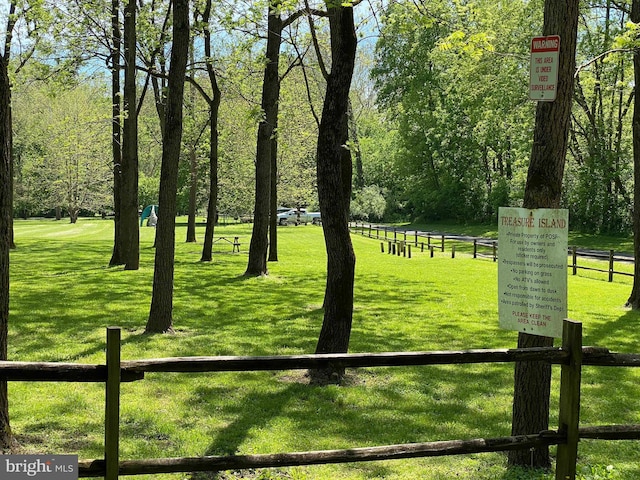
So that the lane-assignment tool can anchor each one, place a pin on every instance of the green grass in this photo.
(63, 296)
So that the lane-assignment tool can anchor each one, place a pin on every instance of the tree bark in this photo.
(160, 315)
(8, 129)
(273, 205)
(214, 106)
(129, 228)
(193, 167)
(354, 143)
(334, 193)
(543, 189)
(6, 209)
(634, 298)
(212, 206)
(116, 132)
(257, 263)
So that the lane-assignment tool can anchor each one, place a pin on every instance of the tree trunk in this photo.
(193, 167)
(634, 298)
(5, 242)
(160, 98)
(129, 228)
(273, 207)
(257, 263)
(73, 214)
(334, 193)
(160, 315)
(8, 128)
(532, 380)
(116, 132)
(193, 190)
(354, 143)
(214, 106)
(212, 207)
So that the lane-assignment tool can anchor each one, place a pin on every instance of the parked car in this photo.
(296, 216)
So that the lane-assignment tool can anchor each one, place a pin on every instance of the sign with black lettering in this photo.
(532, 270)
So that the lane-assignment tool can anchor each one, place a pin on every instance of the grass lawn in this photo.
(63, 296)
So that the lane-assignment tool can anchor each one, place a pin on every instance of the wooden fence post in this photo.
(453, 251)
(112, 405)
(409, 247)
(442, 246)
(495, 251)
(574, 254)
(569, 415)
(475, 248)
(611, 265)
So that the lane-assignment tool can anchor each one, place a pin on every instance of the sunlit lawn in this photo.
(63, 296)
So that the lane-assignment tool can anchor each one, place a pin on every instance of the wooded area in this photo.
(441, 124)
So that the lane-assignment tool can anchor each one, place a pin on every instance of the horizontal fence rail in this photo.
(554, 355)
(571, 356)
(133, 370)
(399, 242)
(369, 454)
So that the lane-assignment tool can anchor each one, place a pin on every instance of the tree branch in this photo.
(599, 57)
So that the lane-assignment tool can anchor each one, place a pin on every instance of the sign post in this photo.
(543, 72)
(532, 270)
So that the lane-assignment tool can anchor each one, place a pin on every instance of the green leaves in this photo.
(454, 77)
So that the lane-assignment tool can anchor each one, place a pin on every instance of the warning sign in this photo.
(543, 75)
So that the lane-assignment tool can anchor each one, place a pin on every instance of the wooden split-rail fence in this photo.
(403, 244)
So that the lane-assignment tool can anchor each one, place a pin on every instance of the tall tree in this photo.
(257, 263)
(161, 315)
(634, 297)
(334, 190)
(214, 107)
(11, 23)
(543, 190)
(192, 148)
(129, 228)
(116, 129)
(6, 212)
(265, 208)
(59, 146)
(599, 174)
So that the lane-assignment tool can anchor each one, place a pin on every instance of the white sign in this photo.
(532, 270)
(543, 74)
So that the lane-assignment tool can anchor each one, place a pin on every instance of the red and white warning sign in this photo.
(543, 75)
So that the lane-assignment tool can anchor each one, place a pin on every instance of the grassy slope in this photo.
(63, 296)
